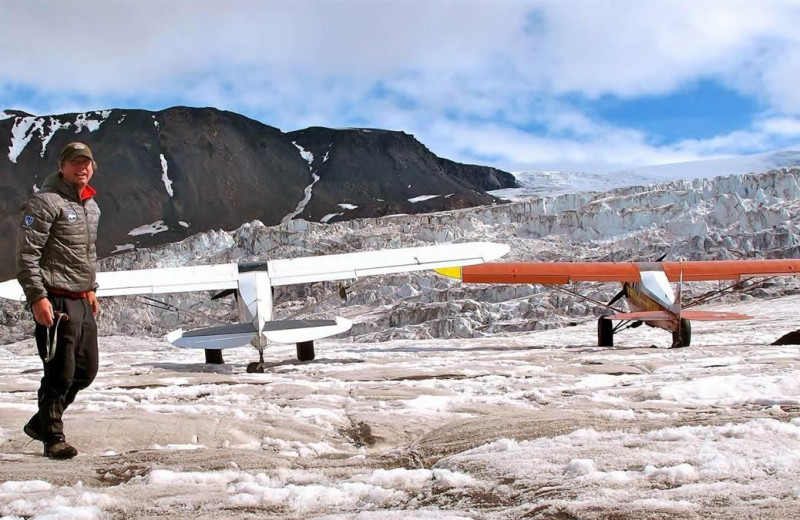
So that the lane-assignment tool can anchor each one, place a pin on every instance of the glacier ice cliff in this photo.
(733, 217)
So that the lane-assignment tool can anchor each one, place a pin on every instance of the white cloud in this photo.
(469, 79)
(788, 126)
(645, 48)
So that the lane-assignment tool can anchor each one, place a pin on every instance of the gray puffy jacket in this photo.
(56, 247)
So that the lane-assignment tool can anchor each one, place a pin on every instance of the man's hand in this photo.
(43, 312)
(90, 296)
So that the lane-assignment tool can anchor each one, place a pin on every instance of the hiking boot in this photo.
(59, 450)
(32, 431)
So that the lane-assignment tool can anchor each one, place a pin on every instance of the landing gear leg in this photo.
(605, 332)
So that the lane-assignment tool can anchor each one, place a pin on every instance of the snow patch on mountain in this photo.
(149, 229)
(329, 216)
(89, 122)
(26, 128)
(124, 247)
(305, 154)
(301, 206)
(55, 125)
(164, 177)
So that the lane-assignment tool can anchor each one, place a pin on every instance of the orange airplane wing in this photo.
(729, 269)
(567, 272)
(548, 272)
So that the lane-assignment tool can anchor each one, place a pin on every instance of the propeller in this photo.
(617, 296)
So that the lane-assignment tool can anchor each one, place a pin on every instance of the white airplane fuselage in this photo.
(255, 303)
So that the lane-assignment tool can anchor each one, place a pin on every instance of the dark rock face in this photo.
(379, 171)
(186, 170)
(790, 338)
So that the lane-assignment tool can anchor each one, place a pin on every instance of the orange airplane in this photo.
(646, 285)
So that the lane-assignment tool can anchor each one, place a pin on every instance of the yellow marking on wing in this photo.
(452, 272)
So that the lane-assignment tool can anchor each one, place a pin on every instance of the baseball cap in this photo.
(73, 150)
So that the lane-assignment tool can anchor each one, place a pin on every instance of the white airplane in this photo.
(253, 284)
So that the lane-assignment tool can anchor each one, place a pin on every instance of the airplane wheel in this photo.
(605, 332)
(684, 339)
(255, 367)
(214, 357)
(305, 351)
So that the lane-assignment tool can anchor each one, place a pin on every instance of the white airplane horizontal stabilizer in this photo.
(298, 331)
(214, 338)
(239, 335)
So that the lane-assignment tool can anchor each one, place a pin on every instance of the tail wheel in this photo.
(682, 337)
(605, 332)
(305, 350)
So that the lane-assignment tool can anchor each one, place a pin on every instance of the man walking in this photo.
(56, 259)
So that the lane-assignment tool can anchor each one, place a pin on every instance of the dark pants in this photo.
(72, 369)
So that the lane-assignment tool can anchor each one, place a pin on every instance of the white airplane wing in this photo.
(168, 280)
(286, 271)
(11, 290)
(366, 263)
(152, 281)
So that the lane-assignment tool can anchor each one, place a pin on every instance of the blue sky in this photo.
(592, 86)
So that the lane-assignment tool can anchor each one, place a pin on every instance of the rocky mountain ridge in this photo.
(165, 176)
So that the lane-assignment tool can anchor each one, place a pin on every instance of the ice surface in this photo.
(446, 401)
